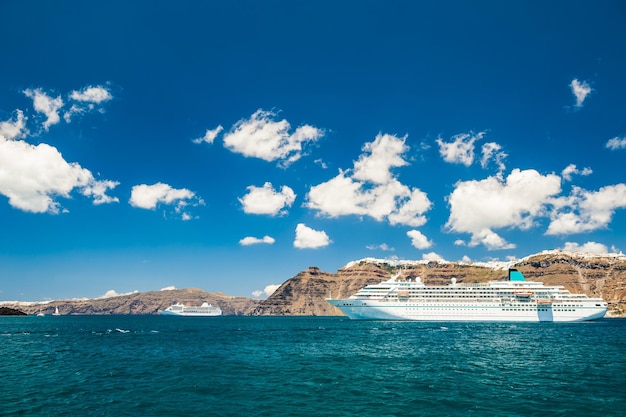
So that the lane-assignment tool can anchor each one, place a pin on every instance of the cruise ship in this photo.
(205, 310)
(513, 300)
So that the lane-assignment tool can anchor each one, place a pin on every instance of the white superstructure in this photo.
(512, 300)
(204, 310)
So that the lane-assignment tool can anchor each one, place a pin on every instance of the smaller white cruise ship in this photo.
(512, 300)
(205, 310)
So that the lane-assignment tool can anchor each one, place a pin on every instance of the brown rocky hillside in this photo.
(144, 303)
(305, 293)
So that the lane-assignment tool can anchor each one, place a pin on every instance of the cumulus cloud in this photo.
(170, 288)
(209, 135)
(97, 190)
(478, 207)
(307, 238)
(47, 105)
(586, 211)
(250, 240)
(571, 169)
(418, 240)
(91, 94)
(267, 200)
(86, 99)
(493, 152)
(34, 177)
(375, 164)
(432, 257)
(14, 129)
(149, 196)
(370, 189)
(267, 291)
(81, 101)
(461, 149)
(113, 293)
(616, 143)
(261, 136)
(589, 247)
(580, 90)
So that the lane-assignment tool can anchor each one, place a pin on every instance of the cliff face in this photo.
(305, 293)
(145, 303)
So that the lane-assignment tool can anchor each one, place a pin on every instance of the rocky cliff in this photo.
(144, 303)
(5, 311)
(304, 294)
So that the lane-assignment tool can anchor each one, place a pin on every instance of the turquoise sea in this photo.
(312, 366)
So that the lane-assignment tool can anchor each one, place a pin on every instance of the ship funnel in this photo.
(515, 275)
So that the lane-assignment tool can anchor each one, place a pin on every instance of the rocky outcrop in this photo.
(6, 311)
(305, 293)
(145, 303)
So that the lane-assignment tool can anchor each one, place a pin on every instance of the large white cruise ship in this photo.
(512, 300)
(205, 310)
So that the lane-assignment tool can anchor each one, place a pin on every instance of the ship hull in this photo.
(171, 313)
(376, 310)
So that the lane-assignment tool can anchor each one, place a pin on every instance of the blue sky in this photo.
(229, 145)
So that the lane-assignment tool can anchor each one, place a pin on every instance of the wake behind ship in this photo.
(513, 300)
(205, 310)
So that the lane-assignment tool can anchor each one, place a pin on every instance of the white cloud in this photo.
(382, 246)
(461, 149)
(249, 240)
(585, 211)
(339, 196)
(149, 196)
(263, 137)
(209, 135)
(380, 156)
(616, 143)
(571, 170)
(411, 209)
(170, 288)
(418, 240)
(375, 192)
(82, 101)
(432, 257)
(10, 129)
(33, 177)
(321, 163)
(589, 247)
(580, 90)
(266, 200)
(113, 293)
(477, 207)
(97, 190)
(307, 238)
(91, 94)
(47, 105)
(466, 259)
(493, 152)
(267, 291)
(86, 99)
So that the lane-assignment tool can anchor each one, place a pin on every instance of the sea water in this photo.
(311, 366)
